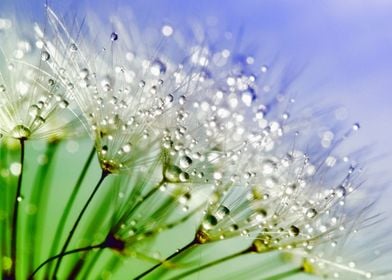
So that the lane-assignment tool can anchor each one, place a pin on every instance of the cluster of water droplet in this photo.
(204, 123)
(31, 99)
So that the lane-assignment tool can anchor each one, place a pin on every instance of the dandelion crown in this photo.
(193, 153)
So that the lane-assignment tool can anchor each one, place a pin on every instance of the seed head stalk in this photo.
(70, 203)
(175, 254)
(104, 174)
(14, 225)
(40, 190)
(84, 249)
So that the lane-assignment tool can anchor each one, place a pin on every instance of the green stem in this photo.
(285, 274)
(70, 204)
(90, 265)
(178, 252)
(14, 225)
(216, 262)
(39, 191)
(143, 199)
(78, 219)
(61, 255)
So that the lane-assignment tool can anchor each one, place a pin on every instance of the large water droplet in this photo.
(172, 173)
(21, 132)
(185, 162)
(294, 231)
(114, 36)
(222, 212)
(209, 222)
(311, 212)
(158, 68)
(45, 56)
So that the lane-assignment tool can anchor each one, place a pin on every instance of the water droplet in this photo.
(21, 132)
(294, 231)
(264, 68)
(126, 148)
(114, 36)
(15, 168)
(63, 104)
(73, 48)
(183, 199)
(45, 56)
(142, 84)
(185, 162)
(104, 150)
(184, 177)
(222, 212)
(172, 173)
(83, 74)
(167, 30)
(311, 212)
(356, 126)
(34, 110)
(248, 97)
(158, 68)
(20, 198)
(209, 222)
(182, 100)
(340, 191)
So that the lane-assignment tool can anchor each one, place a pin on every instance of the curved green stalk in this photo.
(40, 189)
(88, 248)
(205, 266)
(78, 219)
(14, 224)
(69, 205)
(178, 252)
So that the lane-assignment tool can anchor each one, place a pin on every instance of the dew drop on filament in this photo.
(45, 56)
(114, 36)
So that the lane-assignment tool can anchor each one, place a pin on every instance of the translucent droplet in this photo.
(264, 68)
(248, 97)
(356, 126)
(73, 48)
(104, 150)
(15, 168)
(294, 231)
(222, 212)
(183, 199)
(209, 222)
(158, 68)
(182, 100)
(126, 148)
(167, 30)
(311, 212)
(63, 104)
(172, 173)
(184, 176)
(83, 74)
(340, 191)
(185, 162)
(114, 36)
(20, 198)
(169, 98)
(45, 56)
(34, 110)
(21, 132)
(142, 84)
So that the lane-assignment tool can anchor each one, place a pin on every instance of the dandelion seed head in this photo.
(204, 124)
(32, 103)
